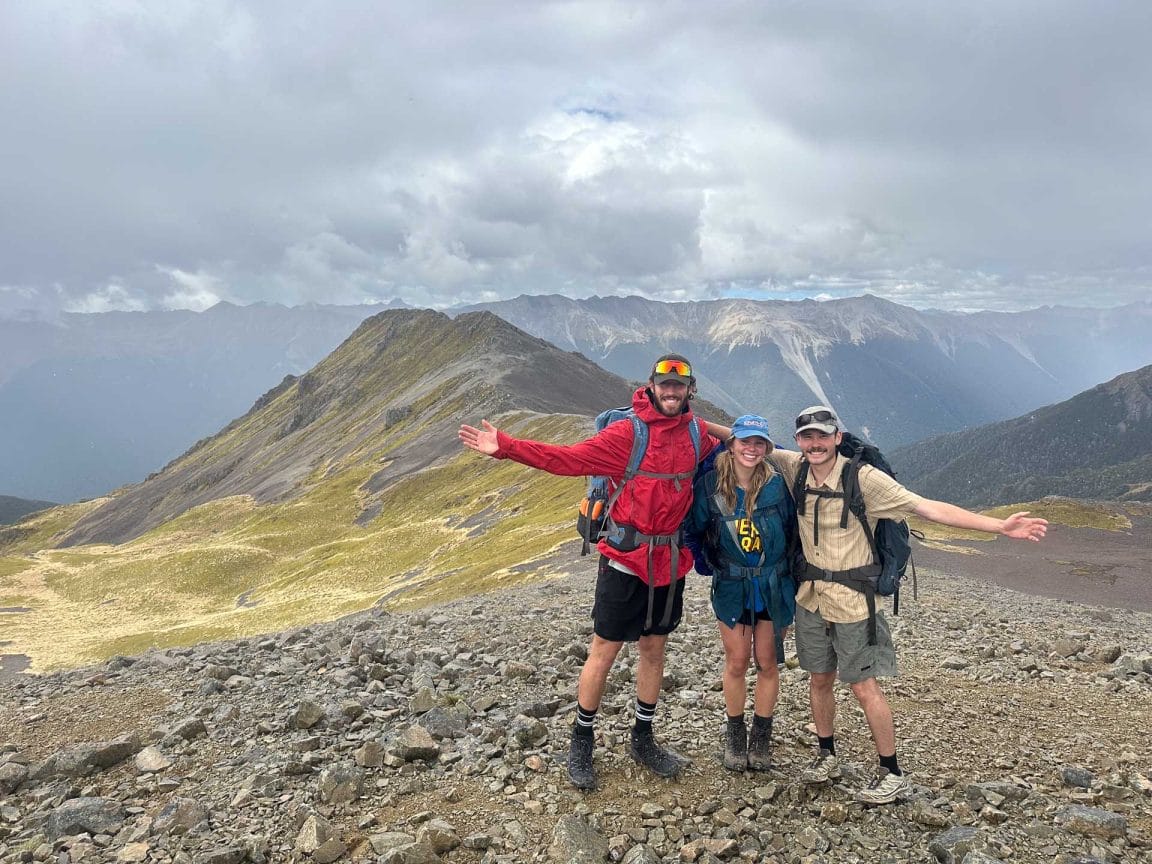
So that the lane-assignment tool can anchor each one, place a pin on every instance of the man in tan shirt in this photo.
(832, 618)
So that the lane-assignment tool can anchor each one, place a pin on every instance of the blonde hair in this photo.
(727, 483)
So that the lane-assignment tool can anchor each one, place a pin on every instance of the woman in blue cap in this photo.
(739, 527)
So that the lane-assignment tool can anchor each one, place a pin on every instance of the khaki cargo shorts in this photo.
(822, 646)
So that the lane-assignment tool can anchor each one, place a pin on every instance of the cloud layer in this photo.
(951, 155)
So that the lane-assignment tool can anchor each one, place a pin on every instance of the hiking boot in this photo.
(760, 748)
(822, 769)
(580, 771)
(652, 756)
(735, 745)
(885, 788)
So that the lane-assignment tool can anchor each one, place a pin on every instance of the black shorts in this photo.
(749, 618)
(622, 605)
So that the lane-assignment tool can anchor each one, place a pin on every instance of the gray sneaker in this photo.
(822, 769)
(885, 788)
(645, 750)
(760, 748)
(580, 771)
(735, 745)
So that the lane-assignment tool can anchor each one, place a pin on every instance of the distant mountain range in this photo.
(895, 374)
(1097, 444)
(92, 402)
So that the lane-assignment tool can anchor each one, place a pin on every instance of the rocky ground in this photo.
(440, 736)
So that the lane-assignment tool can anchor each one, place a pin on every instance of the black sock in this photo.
(889, 762)
(828, 743)
(737, 720)
(763, 723)
(645, 714)
(585, 721)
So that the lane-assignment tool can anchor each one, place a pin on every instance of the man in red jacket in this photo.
(642, 566)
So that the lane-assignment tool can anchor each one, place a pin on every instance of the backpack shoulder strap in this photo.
(799, 496)
(854, 502)
(639, 447)
(697, 435)
(721, 512)
(850, 483)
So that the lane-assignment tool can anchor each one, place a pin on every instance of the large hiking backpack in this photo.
(593, 521)
(890, 544)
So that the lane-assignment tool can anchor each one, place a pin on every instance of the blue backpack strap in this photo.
(694, 432)
(639, 447)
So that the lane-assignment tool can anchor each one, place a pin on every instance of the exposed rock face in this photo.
(883, 366)
(1022, 752)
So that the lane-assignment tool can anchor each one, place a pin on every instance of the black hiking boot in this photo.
(652, 756)
(760, 748)
(735, 745)
(580, 771)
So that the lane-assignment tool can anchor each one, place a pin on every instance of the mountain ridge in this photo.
(340, 410)
(895, 374)
(1098, 444)
(92, 402)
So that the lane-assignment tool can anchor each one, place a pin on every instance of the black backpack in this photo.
(891, 543)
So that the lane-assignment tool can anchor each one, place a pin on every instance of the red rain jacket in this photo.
(653, 506)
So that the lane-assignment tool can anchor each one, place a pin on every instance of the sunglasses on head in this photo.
(673, 367)
(815, 417)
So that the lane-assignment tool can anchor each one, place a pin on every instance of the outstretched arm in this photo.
(481, 440)
(606, 452)
(1019, 526)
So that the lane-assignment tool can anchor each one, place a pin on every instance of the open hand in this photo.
(1022, 527)
(480, 440)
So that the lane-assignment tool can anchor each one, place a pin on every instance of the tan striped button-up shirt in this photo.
(841, 548)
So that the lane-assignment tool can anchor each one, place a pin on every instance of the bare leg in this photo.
(601, 656)
(767, 675)
(823, 702)
(878, 715)
(649, 667)
(737, 642)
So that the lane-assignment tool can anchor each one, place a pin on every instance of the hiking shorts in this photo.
(822, 646)
(622, 605)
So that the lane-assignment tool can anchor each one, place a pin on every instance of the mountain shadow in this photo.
(1097, 444)
(15, 509)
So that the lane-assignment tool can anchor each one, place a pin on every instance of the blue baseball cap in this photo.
(751, 426)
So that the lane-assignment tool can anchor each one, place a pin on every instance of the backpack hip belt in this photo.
(627, 539)
(737, 573)
(862, 579)
(733, 572)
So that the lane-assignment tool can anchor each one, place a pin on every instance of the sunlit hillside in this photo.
(232, 567)
(338, 490)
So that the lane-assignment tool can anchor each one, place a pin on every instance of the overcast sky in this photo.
(951, 155)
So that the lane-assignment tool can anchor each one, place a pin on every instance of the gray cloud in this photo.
(950, 155)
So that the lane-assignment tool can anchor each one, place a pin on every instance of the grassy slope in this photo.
(289, 563)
